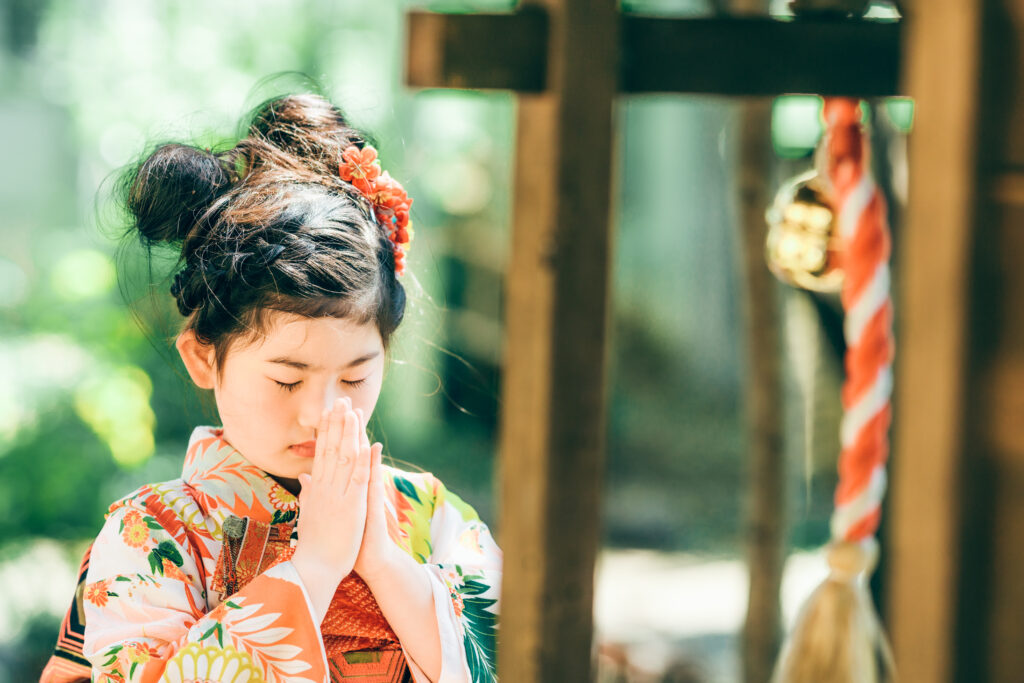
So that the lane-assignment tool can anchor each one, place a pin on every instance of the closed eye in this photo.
(291, 387)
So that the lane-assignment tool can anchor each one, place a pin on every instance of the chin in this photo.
(295, 466)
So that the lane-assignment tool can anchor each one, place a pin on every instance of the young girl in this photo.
(286, 551)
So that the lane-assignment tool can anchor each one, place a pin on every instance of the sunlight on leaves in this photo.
(116, 406)
(83, 274)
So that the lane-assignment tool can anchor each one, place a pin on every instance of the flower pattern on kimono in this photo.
(470, 539)
(282, 499)
(136, 653)
(205, 663)
(452, 578)
(96, 593)
(171, 570)
(136, 532)
(265, 631)
(135, 535)
(457, 602)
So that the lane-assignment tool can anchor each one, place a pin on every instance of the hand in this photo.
(378, 551)
(332, 504)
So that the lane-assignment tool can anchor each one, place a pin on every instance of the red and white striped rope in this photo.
(861, 213)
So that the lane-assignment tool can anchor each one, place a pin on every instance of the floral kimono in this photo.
(191, 580)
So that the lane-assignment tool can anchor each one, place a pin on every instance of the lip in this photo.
(304, 450)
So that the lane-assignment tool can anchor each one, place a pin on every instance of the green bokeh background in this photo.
(94, 400)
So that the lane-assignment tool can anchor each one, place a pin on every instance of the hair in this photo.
(266, 225)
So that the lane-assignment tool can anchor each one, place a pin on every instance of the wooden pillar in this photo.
(552, 436)
(941, 74)
(766, 525)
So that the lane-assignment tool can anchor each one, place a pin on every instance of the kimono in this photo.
(191, 580)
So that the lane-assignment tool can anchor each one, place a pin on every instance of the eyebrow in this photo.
(299, 365)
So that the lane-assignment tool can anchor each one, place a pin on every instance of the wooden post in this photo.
(765, 531)
(923, 554)
(766, 474)
(552, 436)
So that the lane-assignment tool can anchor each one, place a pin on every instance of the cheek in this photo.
(250, 400)
(367, 395)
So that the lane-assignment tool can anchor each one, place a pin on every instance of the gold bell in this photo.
(802, 248)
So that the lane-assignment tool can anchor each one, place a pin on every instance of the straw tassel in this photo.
(837, 636)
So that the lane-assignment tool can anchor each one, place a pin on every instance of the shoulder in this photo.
(425, 489)
(417, 487)
(158, 525)
(167, 503)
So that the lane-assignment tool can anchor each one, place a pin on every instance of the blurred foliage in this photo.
(93, 398)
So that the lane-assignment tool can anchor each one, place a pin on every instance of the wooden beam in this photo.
(924, 549)
(759, 56)
(478, 50)
(730, 56)
(554, 376)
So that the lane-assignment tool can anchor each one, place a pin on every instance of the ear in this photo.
(198, 359)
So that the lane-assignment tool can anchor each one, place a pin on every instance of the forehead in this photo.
(314, 339)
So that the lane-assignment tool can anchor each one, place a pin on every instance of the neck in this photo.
(291, 485)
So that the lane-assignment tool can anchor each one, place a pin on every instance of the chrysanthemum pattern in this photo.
(195, 663)
(282, 499)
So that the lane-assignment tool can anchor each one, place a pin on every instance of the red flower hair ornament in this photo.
(390, 201)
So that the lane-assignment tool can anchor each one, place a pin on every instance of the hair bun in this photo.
(171, 188)
(307, 126)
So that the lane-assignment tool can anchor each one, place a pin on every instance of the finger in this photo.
(364, 440)
(360, 478)
(321, 445)
(334, 433)
(376, 471)
(349, 446)
(374, 486)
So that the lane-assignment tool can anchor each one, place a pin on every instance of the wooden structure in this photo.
(955, 549)
(568, 60)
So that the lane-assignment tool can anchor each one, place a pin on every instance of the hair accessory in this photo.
(391, 203)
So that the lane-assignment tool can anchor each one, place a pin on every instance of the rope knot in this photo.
(847, 560)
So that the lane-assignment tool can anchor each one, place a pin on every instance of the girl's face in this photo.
(271, 394)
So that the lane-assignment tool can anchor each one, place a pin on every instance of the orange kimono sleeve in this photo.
(147, 616)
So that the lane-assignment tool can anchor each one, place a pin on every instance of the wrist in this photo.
(318, 571)
(383, 568)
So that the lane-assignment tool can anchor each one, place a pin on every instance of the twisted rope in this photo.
(863, 226)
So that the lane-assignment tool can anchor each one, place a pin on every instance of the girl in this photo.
(286, 551)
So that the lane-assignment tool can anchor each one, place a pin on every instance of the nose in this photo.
(315, 403)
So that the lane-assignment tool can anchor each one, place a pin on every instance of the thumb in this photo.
(376, 458)
(376, 495)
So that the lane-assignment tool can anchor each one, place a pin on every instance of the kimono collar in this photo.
(227, 483)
